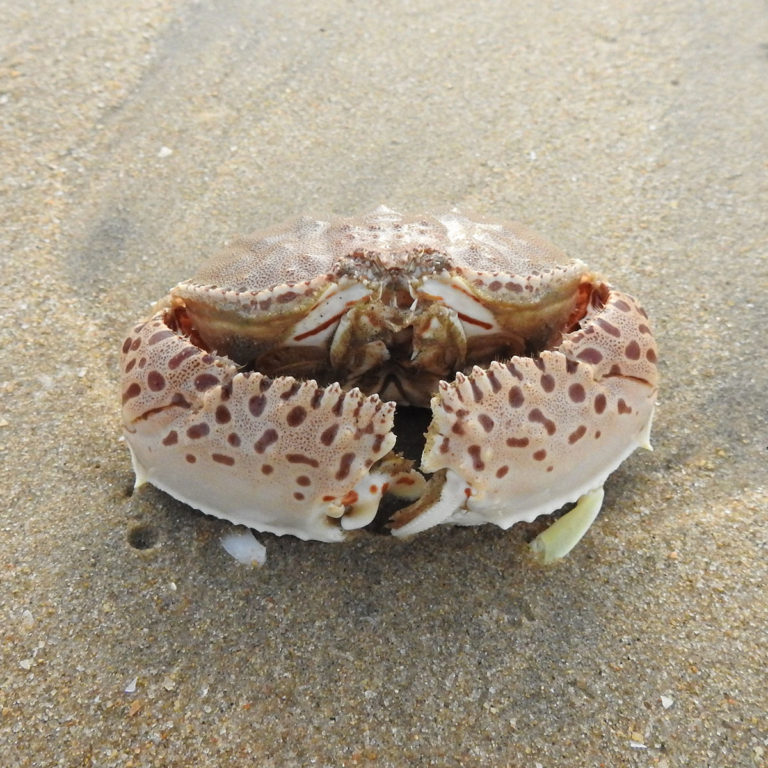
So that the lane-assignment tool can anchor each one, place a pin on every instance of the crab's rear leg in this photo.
(564, 534)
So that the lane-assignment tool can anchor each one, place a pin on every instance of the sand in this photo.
(136, 138)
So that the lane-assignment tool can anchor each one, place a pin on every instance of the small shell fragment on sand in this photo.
(244, 547)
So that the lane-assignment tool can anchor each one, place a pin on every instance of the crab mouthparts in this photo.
(381, 344)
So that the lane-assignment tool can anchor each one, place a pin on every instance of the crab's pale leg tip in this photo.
(140, 474)
(563, 535)
(644, 439)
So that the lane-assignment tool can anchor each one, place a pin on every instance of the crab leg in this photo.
(564, 534)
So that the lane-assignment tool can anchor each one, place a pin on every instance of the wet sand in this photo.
(137, 139)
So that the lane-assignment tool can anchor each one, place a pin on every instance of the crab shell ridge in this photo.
(264, 389)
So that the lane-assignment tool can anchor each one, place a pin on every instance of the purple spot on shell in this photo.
(291, 391)
(477, 462)
(300, 458)
(339, 404)
(609, 328)
(537, 416)
(516, 397)
(296, 416)
(329, 435)
(180, 357)
(134, 390)
(268, 437)
(223, 415)
(171, 438)
(256, 405)
(345, 464)
(155, 381)
(486, 422)
(590, 355)
(205, 381)
(577, 393)
(196, 431)
(493, 381)
(159, 336)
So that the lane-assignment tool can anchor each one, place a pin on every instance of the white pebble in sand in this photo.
(244, 547)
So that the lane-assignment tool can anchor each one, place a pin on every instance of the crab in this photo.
(265, 389)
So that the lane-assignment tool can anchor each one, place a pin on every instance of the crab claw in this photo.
(278, 455)
(520, 439)
(446, 492)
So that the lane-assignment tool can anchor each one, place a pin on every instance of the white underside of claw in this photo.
(368, 491)
(452, 496)
(243, 506)
(141, 477)
(644, 438)
(564, 534)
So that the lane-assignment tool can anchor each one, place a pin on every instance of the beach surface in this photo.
(136, 139)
